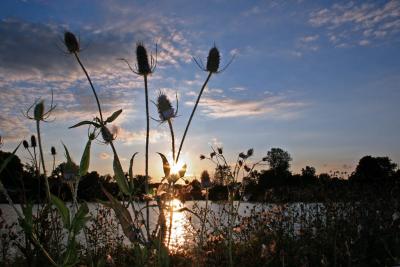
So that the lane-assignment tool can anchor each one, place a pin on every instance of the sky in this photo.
(319, 79)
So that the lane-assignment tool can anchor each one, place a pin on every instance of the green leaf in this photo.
(113, 116)
(62, 208)
(182, 171)
(80, 218)
(123, 215)
(120, 176)
(69, 160)
(166, 166)
(85, 160)
(131, 166)
(85, 123)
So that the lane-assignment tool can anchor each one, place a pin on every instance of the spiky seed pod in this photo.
(33, 141)
(212, 154)
(25, 144)
(164, 107)
(142, 60)
(39, 111)
(264, 158)
(220, 150)
(202, 157)
(213, 60)
(242, 155)
(250, 152)
(247, 168)
(106, 134)
(71, 42)
(53, 151)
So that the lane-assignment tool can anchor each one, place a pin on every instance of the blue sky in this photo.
(319, 79)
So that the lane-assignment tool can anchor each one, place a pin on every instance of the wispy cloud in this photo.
(131, 137)
(271, 106)
(356, 23)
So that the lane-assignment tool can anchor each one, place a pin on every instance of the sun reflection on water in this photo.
(180, 230)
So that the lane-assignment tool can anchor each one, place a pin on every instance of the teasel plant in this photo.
(40, 115)
(242, 169)
(145, 68)
(212, 67)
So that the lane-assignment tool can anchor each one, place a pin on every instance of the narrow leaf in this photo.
(62, 208)
(85, 160)
(69, 160)
(113, 116)
(166, 166)
(80, 218)
(85, 123)
(124, 217)
(120, 176)
(131, 166)
(182, 171)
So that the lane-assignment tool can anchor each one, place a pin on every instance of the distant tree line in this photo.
(276, 183)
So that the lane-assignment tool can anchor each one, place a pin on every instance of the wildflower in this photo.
(53, 150)
(213, 60)
(165, 110)
(39, 111)
(33, 141)
(25, 144)
(143, 66)
(71, 42)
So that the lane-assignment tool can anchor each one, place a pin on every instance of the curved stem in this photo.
(91, 85)
(172, 139)
(42, 159)
(191, 115)
(146, 183)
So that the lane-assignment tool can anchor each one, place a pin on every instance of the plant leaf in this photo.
(85, 160)
(62, 208)
(113, 116)
(80, 218)
(69, 160)
(182, 171)
(166, 166)
(123, 215)
(85, 123)
(120, 176)
(131, 166)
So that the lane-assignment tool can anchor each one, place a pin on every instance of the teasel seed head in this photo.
(213, 60)
(242, 155)
(71, 42)
(143, 66)
(250, 152)
(53, 151)
(107, 135)
(33, 141)
(164, 107)
(202, 157)
(25, 144)
(220, 151)
(39, 111)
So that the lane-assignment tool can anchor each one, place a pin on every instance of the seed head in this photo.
(142, 60)
(250, 152)
(213, 60)
(53, 151)
(33, 141)
(219, 149)
(71, 42)
(242, 155)
(107, 135)
(25, 144)
(39, 111)
(164, 107)
(202, 157)
(247, 168)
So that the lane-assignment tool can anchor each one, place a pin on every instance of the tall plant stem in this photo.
(146, 183)
(191, 115)
(91, 85)
(172, 139)
(42, 159)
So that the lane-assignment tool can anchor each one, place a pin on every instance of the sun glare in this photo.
(175, 168)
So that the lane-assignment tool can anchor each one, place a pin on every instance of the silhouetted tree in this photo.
(278, 160)
(374, 168)
(221, 172)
